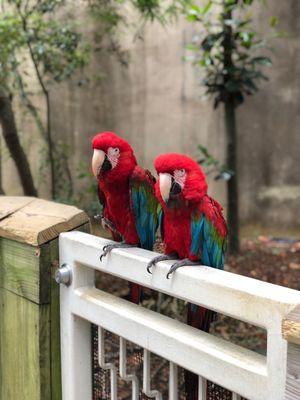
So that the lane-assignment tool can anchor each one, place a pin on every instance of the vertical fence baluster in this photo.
(236, 396)
(202, 388)
(173, 382)
(123, 373)
(147, 378)
(104, 365)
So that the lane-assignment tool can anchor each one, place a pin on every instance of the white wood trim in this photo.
(108, 366)
(147, 377)
(251, 300)
(201, 353)
(236, 396)
(251, 375)
(173, 382)
(123, 370)
(202, 388)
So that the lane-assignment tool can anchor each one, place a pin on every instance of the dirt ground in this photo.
(274, 260)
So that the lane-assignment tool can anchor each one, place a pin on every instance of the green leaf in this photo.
(194, 9)
(232, 86)
(238, 98)
(192, 47)
(192, 17)
(206, 8)
(273, 21)
(210, 40)
(251, 85)
(261, 61)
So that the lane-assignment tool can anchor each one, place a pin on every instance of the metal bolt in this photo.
(64, 275)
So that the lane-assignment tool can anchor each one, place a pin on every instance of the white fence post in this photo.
(173, 382)
(123, 370)
(202, 388)
(75, 334)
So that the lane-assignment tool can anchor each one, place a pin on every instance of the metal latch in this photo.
(64, 275)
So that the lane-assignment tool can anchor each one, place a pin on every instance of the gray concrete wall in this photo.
(157, 104)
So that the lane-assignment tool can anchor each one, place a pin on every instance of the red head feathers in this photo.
(113, 157)
(180, 178)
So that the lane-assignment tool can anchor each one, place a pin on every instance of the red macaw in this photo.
(193, 230)
(126, 192)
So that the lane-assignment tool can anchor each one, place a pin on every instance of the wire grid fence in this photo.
(159, 372)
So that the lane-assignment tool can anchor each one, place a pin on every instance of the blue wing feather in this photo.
(207, 243)
(145, 207)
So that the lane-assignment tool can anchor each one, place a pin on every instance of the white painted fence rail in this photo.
(245, 373)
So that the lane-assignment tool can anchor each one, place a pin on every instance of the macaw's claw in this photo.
(109, 247)
(150, 265)
(180, 263)
(163, 257)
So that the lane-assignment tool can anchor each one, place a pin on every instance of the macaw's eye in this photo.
(180, 176)
(180, 172)
(113, 151)
(113, 154)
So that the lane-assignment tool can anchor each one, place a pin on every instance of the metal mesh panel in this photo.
(216, 392)
(101, 377)
(159, 372)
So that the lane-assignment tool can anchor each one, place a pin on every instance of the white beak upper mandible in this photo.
(97, 161)
(165, 183)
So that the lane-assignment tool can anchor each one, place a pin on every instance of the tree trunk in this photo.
(1, 188)
(232, 185)
(10, 134)
(231, 134)
(47, 98)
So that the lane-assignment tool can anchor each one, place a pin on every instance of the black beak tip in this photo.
(175, 188)
(106, 166)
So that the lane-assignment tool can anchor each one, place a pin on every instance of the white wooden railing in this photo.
(246, 373)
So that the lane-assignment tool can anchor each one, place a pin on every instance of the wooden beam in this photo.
(24, 270)
(29, 297)
(10, 204)
(292, 388)
(24, 349)
(291, 332)
(37, 221)
(291, 326)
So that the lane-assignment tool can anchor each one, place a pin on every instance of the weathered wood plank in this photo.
(38, 221)
(22, 271)
(291, 326)
(29, 321)
(291, 332)
(292, 389)
(9, 204)
(56, 388)
(26, 270)
(24, 349)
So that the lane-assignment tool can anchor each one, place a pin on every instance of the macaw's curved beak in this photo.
(168, 187)
(165, 183)
(100, 163)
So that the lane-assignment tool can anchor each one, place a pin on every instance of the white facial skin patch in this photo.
(113, 154)
(180, 176)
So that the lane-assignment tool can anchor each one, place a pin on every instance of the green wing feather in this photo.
(207, 242)
(145, 206)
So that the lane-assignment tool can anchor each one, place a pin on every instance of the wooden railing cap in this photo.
(291, 326)
(35, 221)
